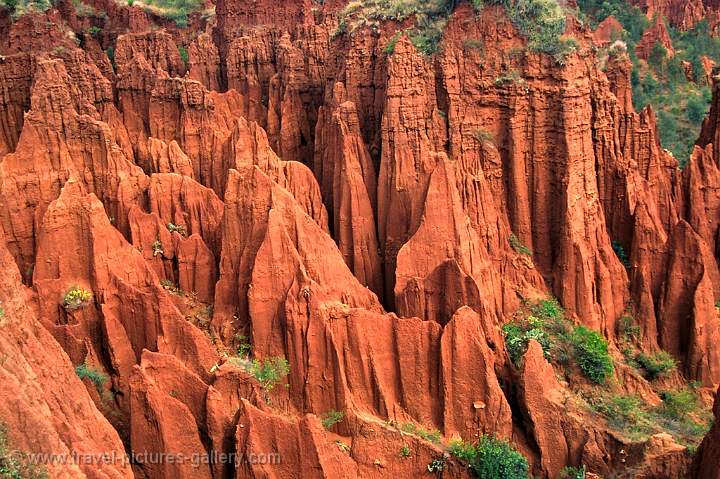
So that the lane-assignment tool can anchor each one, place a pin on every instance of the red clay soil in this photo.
(373, 218)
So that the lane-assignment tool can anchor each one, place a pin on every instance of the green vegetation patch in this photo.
(76, 298)
(680, 104)
(176, 10)
(430, 18)
(491, 458)
(331, 418)
(16, 464)
(18, 8)
(542, 22)
(99, 379)
(680, 415)
(656, 365)
(269, 372)
(562, 342)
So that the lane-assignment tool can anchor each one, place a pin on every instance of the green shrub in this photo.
(269, 371)
(518, 246)
(696, 109)
(82, 9)
(679, 415)
(405, 451)
(18, 8)
(184, 57)
(15, 464)
(331, 418)
(244, 348)
(76, 298)
(175, 10)
(431, 435)
(157, 248)
(620, 253)
(677, 404)
(177, 228)
(591, 354)
(573, 473)
(430, 18)
(519, 335)
(96, 377)
(491, 458)
(542, 22)
(437, 465)
(170, 286)
(548, 309)
(622, 412)
(656, 365)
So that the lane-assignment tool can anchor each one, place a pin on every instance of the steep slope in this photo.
(374, 216)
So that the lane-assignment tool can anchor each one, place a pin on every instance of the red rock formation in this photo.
(707, 462)
(347, 179)
(682, 14)
(43, 403)
(608, 31)
(656, 34)
(413, 133)
(457, 186)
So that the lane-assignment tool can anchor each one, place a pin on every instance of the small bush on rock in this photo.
(656, 365)
(96, 377)
(331, 418)
(76, 298)
(591, 354)
(491, 458)
(269, 371)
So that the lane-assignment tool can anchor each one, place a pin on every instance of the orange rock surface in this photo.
(373, 217)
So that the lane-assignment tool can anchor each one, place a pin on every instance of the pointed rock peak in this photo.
(656, 34)
(608, 31)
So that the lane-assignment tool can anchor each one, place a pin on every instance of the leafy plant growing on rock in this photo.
(491, 458)
(76, 298)
(184, 57)
(518, 246)
(18, 8)
(679, 415)
(437, 465)
(656, 365)
(331, 418)
(176, 10)
(269, 372)
(405, 451)
(620, 253)
(430, 18)
(177, 228)
(157, 248)
(677, 404)
(542, 22)
(573, 473)
(15, 464)
(171, 287)
(431, 435)
(96, 377)
(483, 136)
(591, 354)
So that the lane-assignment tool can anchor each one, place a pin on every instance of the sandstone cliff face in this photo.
(682, 14)
(707, 463)
(372, 217)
